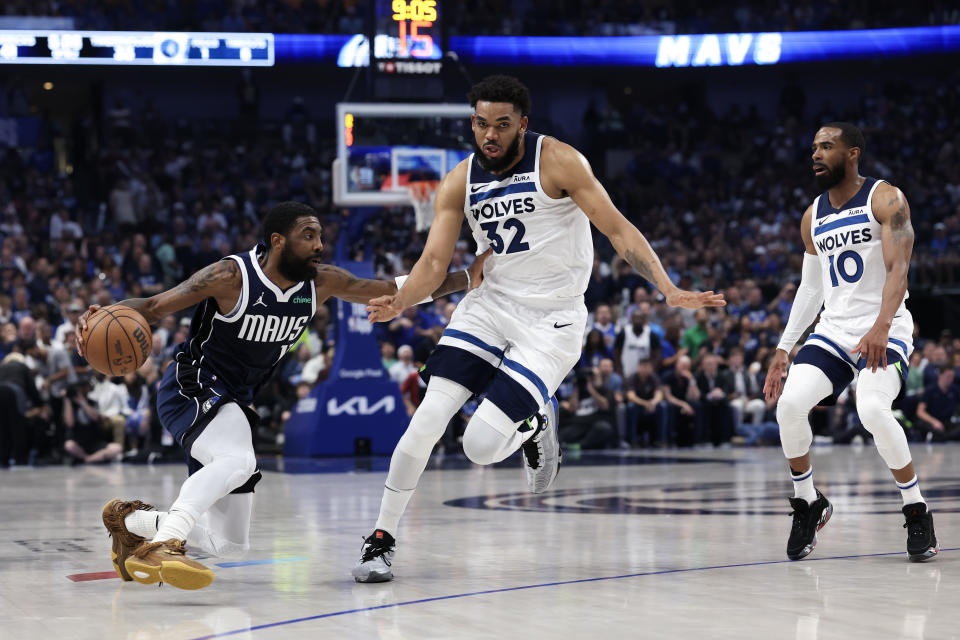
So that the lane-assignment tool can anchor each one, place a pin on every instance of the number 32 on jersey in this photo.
(512, 227)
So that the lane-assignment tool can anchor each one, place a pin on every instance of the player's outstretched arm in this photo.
(565, 168)
(806, 305)
(429, 271)
(892, 211)
(221, 280)
(340, 283)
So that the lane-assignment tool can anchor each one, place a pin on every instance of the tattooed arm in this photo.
(891, 210)
(340, 283)
(565, 171)
(221, 280)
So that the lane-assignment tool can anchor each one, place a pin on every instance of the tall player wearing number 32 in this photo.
(530, 198)
(858, 240)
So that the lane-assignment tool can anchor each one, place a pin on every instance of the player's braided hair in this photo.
(281, 218)
(851, 136)
(501, 89)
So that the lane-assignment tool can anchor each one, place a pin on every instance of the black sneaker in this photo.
(921, 540)
(376, 558)
(807, 520)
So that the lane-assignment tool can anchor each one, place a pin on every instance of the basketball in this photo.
(117, 340)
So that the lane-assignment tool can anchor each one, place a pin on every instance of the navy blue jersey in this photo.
(234, 353)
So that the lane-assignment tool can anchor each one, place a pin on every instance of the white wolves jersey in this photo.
(847, 241)
(542, 247)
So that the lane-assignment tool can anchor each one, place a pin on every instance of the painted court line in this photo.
(107, 575)
(539, 586)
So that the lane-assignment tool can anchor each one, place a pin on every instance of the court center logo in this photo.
(714, 498)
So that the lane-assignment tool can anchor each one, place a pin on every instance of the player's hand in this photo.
(873, 347)
(695, 299)
(82, 327)
(773, 385)
(476, 269)
(383, 309)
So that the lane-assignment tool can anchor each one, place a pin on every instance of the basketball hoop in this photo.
(422, 196)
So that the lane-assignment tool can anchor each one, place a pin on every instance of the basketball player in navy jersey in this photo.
(251, 307)
(858, 240)
(530, 198)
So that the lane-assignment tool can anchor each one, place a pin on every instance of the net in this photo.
(423, 193)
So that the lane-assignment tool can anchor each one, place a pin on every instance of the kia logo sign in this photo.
(358, 406)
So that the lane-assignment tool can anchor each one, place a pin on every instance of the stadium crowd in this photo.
(719, 195)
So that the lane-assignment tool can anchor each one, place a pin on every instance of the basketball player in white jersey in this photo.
(531, 199)
(858, 240)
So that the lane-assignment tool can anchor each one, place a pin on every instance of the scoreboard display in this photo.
(407, 37)
(137, 48)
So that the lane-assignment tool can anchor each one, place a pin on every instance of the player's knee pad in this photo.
(441, 402)
(806, 386)
(876, 416)
(241, 466)
(482, 442)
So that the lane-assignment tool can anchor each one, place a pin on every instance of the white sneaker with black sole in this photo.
(376, 558)
(541, 452)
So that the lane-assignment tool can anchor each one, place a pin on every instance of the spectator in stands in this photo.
(635, 342)
(646, 419)
(715, 387)
(589, 423)
(746, 397)
(937, 407)
(603, 322)
(594, 350)
(696, 335)
(19, 402)
(404, 365)
(682, 394)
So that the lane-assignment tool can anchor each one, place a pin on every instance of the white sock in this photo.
(176, 526)
(803, 486)
(910, 491)
(144, 523)
(392, 506)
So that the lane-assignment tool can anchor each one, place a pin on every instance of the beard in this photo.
(296, 269)
(494, 165)
(831, 178)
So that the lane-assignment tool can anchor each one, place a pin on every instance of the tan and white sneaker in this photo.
(167, 562)
(124, 541)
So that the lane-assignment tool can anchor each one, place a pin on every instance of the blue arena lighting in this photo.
(725, 49)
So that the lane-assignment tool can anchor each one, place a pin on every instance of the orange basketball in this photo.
(118, 340)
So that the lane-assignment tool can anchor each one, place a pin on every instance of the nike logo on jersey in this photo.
(561, 326)
(259, 301)
(474, 190)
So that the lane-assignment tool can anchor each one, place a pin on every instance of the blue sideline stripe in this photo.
(529, 375)
(516, 187)
(899, 343)
(843, 222)
(836, 347)
(321, 616)
(247, 563)
(474, 340)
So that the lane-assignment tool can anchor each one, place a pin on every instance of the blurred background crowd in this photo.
(145, 195)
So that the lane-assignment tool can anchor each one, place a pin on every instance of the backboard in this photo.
(383, 146)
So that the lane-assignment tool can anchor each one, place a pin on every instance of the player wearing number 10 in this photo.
(530, 198)
(858, 240)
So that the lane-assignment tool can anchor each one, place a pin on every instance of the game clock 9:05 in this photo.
(419, 10)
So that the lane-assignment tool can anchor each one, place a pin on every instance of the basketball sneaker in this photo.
(167, 562)
(376, 559)
(921, 540)
(124, 541)
(807, 520)
(541, 451)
